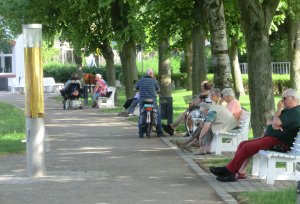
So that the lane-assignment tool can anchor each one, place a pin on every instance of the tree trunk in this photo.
(108, 54)
(219, 47)
(128, 61)
(199, 69)
(235, 67)
(164, 68)
(256, 20)
(78, 61)
(188, 58)
(294, 52)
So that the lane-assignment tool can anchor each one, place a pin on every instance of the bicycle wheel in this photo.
(148, 131)
(192, 120)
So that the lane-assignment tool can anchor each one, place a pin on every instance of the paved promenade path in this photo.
(97, 158)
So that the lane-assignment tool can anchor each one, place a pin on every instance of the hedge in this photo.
(61, 73)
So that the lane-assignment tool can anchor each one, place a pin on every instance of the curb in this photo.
(226, 197)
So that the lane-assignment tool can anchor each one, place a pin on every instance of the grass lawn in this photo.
(12, 130)
(286, 196)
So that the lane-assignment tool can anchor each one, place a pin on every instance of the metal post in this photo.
(34, 100)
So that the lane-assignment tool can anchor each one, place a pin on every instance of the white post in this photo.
(34, 100)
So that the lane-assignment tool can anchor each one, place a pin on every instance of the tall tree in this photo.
(256, 18)
(219, 46)
(127, 28)
(236, 43)
(294, 42)
(199, 71)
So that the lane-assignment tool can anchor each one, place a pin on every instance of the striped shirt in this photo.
(148, 88)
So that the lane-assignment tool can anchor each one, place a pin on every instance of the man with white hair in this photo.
(148, 88)
(281, 131)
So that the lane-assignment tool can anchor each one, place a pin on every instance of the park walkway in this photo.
(98, 158)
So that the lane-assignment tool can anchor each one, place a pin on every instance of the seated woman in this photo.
(203, 96)
(100, 90)
(233, 105)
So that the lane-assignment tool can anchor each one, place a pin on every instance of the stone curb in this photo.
(226, 197)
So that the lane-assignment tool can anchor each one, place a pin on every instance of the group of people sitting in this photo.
(221, 112)
(73, 89)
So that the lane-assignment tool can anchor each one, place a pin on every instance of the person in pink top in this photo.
(99, 90)
(233, 105)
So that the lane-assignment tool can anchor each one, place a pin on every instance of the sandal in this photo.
(239, 175)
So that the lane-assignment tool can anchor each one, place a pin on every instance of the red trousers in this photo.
(247, 149)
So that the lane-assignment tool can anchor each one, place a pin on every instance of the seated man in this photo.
(282, 131)
(202, 97)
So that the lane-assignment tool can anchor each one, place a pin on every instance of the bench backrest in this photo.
(49, 81)
(113, 90)
(244, 123)
(295, 150)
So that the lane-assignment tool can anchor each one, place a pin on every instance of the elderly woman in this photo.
(233, 105)
(99, 90)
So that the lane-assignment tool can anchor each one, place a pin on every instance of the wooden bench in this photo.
(264, 164)
(229, 141)
(108, 102)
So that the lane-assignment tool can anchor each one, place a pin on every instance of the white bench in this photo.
(108, 102)
(18, 86)
(49, 85)
(264, 164)
(229, 141)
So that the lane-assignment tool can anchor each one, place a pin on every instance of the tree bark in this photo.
(164, 68)
(256, 19)
(108, 54)
(188, 58)
(235, 67)
(199, 68)
(128, 60)
(219, 47)
(294, 51)
(78, 61)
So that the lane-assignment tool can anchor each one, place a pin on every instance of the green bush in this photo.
(62, 72)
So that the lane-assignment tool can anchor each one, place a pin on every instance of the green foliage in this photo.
(62, 72)
(12, 129)
(50, 54)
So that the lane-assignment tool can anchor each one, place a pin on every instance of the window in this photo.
(5, 63)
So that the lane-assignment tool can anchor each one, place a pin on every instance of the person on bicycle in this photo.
(148, 88)
(203, 96)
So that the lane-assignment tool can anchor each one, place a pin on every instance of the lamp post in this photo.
(34, 100)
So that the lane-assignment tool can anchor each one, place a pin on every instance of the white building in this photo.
(12, 65)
